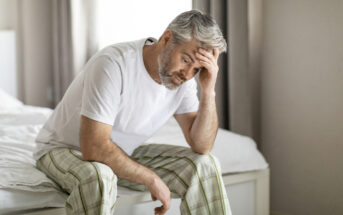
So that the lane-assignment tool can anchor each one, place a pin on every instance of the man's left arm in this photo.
(200, 128)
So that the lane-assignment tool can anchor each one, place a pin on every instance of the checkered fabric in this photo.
(92, 186)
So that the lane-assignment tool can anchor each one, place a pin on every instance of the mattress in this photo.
(23, 186)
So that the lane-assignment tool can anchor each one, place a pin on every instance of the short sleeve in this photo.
(190, 101)
(101, 90)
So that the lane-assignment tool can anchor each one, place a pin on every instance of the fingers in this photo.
(203, 58)
(153, 198)
(160, 210)
(204, 55)
(208, 60)
(216, 53)
(204, 61)
(163, 209)
(212, 56)
(166, 204)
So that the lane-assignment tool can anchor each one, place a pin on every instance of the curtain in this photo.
(233, 88)
(74, 40)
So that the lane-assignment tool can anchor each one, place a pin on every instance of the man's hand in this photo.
(160, 191)
(208, 74)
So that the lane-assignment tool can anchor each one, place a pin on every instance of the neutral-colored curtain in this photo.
(74, 40)
(233, 90)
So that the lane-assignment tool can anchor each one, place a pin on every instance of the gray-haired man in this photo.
(125, 93)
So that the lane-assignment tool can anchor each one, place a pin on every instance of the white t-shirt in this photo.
(115, 88)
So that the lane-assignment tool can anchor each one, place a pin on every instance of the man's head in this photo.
(184, 35)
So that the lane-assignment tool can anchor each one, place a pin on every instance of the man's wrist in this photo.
(208, 94)
(150, 180)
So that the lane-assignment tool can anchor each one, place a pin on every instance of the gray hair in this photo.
(194, 24)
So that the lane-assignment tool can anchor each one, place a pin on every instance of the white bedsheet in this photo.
(12, 200)
(18, 128)
(22, 185)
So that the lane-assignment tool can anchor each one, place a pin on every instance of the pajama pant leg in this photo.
(92, 186)
(194, 178)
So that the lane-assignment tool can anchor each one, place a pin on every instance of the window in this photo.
(127, 20)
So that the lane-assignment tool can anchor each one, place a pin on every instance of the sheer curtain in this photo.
(74, 40)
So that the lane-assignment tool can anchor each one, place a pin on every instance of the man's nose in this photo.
(187, 73)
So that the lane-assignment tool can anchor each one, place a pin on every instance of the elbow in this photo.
(89, 153)
(97, 151)
(87, 156)
(205, 149)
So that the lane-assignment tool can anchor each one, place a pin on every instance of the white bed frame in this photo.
(240, 205)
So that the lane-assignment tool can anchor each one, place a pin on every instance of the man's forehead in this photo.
(191, 46)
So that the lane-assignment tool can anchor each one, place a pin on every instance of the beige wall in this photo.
(35, 23)
(31, 19)
(7, 17)
(302, 105)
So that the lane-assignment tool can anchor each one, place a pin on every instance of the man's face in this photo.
(177, 64)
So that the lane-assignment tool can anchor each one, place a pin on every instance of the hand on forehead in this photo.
(213, 53)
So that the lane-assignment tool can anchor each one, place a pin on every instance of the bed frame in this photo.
(240, 205)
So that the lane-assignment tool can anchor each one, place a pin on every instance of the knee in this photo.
(207, 164)
(95, 171)
(107, 179)
(104, 172)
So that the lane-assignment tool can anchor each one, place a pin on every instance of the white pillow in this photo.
(8, 101)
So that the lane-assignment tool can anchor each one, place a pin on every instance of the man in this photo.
(126, 92)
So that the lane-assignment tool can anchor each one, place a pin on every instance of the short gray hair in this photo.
(194, 24)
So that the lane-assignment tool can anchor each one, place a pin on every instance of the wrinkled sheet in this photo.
(18, 129)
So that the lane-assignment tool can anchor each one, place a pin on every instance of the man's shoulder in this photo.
(118, 54)
(122, 49)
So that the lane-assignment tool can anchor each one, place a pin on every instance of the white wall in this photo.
(8, 70)
(302, 105)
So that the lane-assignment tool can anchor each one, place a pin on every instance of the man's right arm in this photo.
(96, 145)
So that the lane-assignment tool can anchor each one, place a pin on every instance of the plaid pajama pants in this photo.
(92, 186)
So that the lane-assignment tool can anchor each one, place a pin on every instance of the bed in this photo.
(26, 190)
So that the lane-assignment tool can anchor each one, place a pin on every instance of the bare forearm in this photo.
(121, 164)
(205, 125)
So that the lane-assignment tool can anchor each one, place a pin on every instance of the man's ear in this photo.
(167, 37)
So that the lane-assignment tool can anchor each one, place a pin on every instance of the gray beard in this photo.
(163, 68)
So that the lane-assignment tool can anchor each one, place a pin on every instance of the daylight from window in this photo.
(120, 21)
